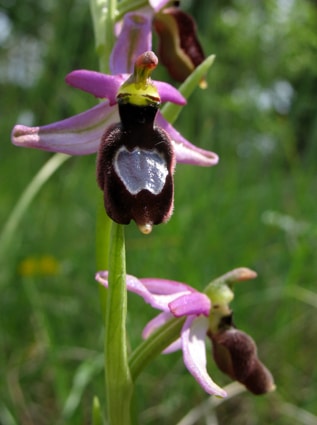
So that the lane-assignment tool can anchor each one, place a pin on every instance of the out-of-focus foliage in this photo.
(264, 81)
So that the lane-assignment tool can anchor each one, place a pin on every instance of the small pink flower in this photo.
(176, 299)
(234, 351)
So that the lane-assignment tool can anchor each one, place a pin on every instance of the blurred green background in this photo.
(257, 208)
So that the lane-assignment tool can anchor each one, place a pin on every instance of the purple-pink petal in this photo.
(194, 354)
(169, 93)
(78, 135)
(165, 286)
(143, 288)
(106, 86)
(134, 39)
(186, 152)
(98, 84)
(195, 303)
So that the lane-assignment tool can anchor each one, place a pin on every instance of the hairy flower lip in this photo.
(235, 353)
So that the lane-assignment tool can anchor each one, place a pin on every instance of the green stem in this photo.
(118, 376)
(170, 110)
(154, 345)
(111, 256)
(118, 379)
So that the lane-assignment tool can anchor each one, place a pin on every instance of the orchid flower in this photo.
(206, 314)
(178, 48)
(136, 157)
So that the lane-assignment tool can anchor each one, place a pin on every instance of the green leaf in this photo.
(27, 197)
(171, 111)
(82, 378)
(154, 345)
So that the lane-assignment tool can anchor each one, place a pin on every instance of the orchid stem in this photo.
(110, 254)
(119, 384)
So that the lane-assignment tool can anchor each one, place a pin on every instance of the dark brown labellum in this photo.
(135, 169)
(235, 353)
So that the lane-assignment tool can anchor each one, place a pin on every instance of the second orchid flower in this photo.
(206, 314)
